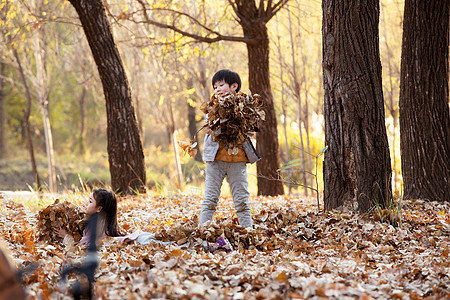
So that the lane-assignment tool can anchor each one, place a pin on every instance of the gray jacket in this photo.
(210, 149)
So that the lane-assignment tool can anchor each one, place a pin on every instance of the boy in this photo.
(220, 163)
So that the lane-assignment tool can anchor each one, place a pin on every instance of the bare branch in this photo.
(272, 10)
(261, 10)
(180, 13)
(279, 5)
(205, 39)
(236, 10)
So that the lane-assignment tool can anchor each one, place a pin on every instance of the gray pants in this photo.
(236, 173)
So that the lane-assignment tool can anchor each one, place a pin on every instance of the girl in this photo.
(104, 203)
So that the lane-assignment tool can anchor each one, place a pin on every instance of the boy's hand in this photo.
(208, 130)
(188, 148)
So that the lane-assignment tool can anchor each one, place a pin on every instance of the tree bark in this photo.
(424, 110)
(255, 27)
(357, 163)
(126, 157)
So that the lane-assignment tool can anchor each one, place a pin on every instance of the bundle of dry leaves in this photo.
(63, 215)
(231, 120)
(232, 117)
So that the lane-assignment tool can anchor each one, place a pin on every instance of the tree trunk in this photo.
(391, 105)
(357, 163)
(296, 91)
(82, 103)
(253, 20)
(126, 157)
(192, 122)
(2, 112)
(43, 92)
(424, 111)
(287, 157)
(267, 138)
(320, 93)
(173, 141)
(305, 109)
(135, 85)
(26, 117)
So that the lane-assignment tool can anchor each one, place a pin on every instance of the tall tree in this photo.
(82, 106)
(296, 90)
(126, 157)
(253, 20)
(199, 73)
(40, 54)
(253, 17)
(12, 57)
(171, 129)
(424, 110)
(391, 78)
(4, 7)
(2, 111)
(357, 163)
(192, 120)
(286, 158)
(136, 90)
(26, 117)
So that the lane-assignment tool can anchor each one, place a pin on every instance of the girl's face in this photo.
(221, 88)
(91, 206)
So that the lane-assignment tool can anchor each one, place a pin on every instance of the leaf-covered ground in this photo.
(294, 252)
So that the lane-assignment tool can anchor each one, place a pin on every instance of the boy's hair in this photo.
(228, 76)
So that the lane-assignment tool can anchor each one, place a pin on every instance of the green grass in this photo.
(77, 173)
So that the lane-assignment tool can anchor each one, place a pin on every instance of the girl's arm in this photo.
(60, 232)
(67, 238)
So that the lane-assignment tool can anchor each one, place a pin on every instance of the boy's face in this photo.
(221, 88)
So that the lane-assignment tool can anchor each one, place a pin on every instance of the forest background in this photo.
(169, 77)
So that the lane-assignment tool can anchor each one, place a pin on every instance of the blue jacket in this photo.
(210, 149)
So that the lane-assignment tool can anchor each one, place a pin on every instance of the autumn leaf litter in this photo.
(294, 251)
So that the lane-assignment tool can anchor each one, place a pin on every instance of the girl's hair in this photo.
(228, 76)
(108, 215)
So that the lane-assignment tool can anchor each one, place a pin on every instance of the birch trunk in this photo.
(392, 104)
(297, 87)
(41, 71)
(306, 108)
(173, 140)
(283, 107)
